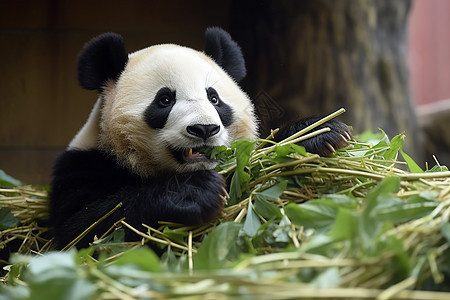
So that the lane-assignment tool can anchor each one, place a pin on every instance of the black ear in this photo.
(225, 52)
(102, 58)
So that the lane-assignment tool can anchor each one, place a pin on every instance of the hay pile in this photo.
(22, 207)
(352, 226)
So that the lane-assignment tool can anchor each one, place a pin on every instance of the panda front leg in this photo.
(323, 144)
(190, 198)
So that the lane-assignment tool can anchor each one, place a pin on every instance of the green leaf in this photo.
(218, 246)
(8, 181)
(272, 193)
(7, 219)
(15, 271)
(404, 211)
(342, 200)
(266, 209)
(317, 214)
(252, 223)
(170, 262)
(384, 140)
(262, 205)
(438, 168)
(235, 189)
(52, 265)
(284, 150)
(394, 146)
(141, 257)
(318, 244)
(370, 226)
(329, 278)
(346, 225)
(388, 186)
(243, 150)
(445, 230)
(117, 236)
(176, 236)
(17, 292)
(281, 233)
(240, 179)
(369, 137)
(55, 276)
(413, 167)
(400, 264)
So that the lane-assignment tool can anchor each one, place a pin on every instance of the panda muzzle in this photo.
(192, 154)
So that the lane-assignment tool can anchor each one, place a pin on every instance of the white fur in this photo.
(87, 136)
(145, 150)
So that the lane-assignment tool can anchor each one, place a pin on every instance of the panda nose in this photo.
(203, 131)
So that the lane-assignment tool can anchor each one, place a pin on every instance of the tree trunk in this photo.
(312, 57)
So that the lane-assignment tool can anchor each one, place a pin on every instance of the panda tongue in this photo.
(189, 153)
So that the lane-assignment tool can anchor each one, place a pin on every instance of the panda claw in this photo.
(331, 148)
(347, 135)
(346, 139)
(225, 193)
(224, 200)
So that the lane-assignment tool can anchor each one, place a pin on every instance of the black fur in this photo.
(158, 111)
(225, 52)
(224, 110)
(337, 137)
(88, 184)
(102, 58)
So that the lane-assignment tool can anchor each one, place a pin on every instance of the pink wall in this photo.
(429, 38)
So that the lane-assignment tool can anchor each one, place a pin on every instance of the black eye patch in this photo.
(158, 111)
(224, 110)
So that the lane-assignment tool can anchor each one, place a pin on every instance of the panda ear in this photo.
(102, 58)
(225, 52)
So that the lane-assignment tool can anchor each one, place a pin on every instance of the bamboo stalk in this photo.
(85, 232)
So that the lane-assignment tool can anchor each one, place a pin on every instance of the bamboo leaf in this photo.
(346, 225)
(318, 214)
(445, 229)
(7, 219)
(272, 193)
(413, 167)
(284, 150)
(8, 181)
(388, 186)
(405, 211)
(327, 279)
(395, 145)
(143, 258)
(252, 223)
(266, 209)
(217, 246)
(55, 276)
(240, 179)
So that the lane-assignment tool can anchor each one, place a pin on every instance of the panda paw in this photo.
(323, 144)
(203, 194)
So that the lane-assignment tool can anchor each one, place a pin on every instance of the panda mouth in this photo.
(193, 155)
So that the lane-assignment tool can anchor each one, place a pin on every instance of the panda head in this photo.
(160, 107)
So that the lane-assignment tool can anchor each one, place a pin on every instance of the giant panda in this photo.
(157, 108)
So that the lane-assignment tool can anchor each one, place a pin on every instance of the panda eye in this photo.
(165, 97)
(214, 99)
(165, 101)
(213, 96)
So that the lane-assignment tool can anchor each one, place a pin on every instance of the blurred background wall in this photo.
(42, 106)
